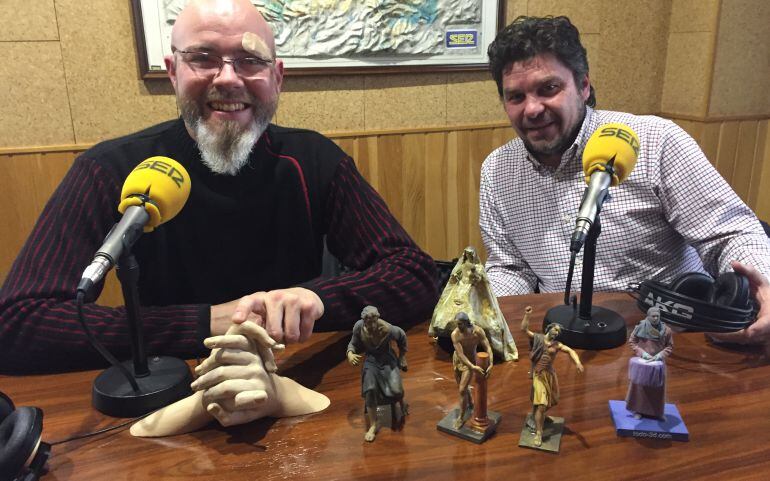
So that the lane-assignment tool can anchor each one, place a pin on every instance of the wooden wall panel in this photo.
(429, 179)
(761, 158)
(743, 168)
(728, 146)
(436, 193)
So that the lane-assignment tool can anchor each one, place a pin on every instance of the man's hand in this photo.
(580, 368)
(759, 331)
(646, 356)
(488, 371)
(354, 358)
(287, 314)
(479, 370)
(222, 317)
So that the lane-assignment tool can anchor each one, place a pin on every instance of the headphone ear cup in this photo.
(731, 290)
(6, 406)
(695, 285)
(19, 434)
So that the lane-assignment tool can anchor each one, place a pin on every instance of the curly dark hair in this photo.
(527, 37)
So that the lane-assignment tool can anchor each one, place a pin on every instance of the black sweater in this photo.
(259, 230)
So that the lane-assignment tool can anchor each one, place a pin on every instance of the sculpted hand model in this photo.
(545, 384)
(466, 337)
(380, 376)
(468, 291)
(652, 343)
(237, 384)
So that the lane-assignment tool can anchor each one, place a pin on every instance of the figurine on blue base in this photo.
(380, 377)
(652, 343)
(645, 413)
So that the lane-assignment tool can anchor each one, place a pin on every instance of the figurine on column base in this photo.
(467, 365)
(545, 386)
(380, 377)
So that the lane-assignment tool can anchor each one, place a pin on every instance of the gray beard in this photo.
(225, 148)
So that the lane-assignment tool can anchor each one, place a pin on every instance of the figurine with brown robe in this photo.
(652, 343)
(236, 384)
(380, 376)
(468, 291)
(545, 385)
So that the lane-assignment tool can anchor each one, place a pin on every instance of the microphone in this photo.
(608, 159)
(153, 193)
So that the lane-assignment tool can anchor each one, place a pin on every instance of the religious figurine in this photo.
(380, 376)
(545, 385)
(236, 384)
(470, 366)
(468, 291)
(466, 337)
(652, 343)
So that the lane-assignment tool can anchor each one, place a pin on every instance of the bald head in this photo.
(202, 19)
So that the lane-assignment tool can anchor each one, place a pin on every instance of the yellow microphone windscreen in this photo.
(611, 140)
(164, 181)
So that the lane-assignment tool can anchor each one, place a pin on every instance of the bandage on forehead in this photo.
(253, 43)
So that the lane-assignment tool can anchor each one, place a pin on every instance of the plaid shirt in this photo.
(674, 214)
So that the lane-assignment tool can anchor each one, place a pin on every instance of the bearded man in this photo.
(249, 241)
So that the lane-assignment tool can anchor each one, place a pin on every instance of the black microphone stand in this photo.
(591, 327)
(161, 380)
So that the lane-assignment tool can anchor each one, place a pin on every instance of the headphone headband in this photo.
(694, 314)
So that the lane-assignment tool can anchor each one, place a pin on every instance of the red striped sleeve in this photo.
(38, 319)
(390, 271)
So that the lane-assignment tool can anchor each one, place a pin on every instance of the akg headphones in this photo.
(697, 302)
(22, 453)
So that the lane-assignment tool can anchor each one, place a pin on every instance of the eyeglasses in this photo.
(209, 65)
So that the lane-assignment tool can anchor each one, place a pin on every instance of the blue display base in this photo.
(627, 425)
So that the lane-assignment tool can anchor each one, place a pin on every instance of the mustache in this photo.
(215, 95)
(534, 124)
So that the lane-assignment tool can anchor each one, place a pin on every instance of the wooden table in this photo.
(723, 395)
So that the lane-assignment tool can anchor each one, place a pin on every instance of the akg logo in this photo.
(673, 308)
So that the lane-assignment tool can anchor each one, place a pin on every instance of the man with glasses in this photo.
(249, 241)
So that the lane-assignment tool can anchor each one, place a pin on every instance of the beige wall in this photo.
(70, 78)
(741, 79)
(71, 75)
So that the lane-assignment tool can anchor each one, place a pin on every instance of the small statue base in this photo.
(626, 425)
(552, 431)
(467, 431)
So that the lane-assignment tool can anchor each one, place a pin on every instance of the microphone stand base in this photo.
(605, 329)
(169, 381)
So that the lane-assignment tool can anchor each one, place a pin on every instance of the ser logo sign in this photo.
(622, 134)
(462, 39)
(164, 167)
(671, 307)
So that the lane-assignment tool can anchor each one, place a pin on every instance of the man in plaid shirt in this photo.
(674, 214)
